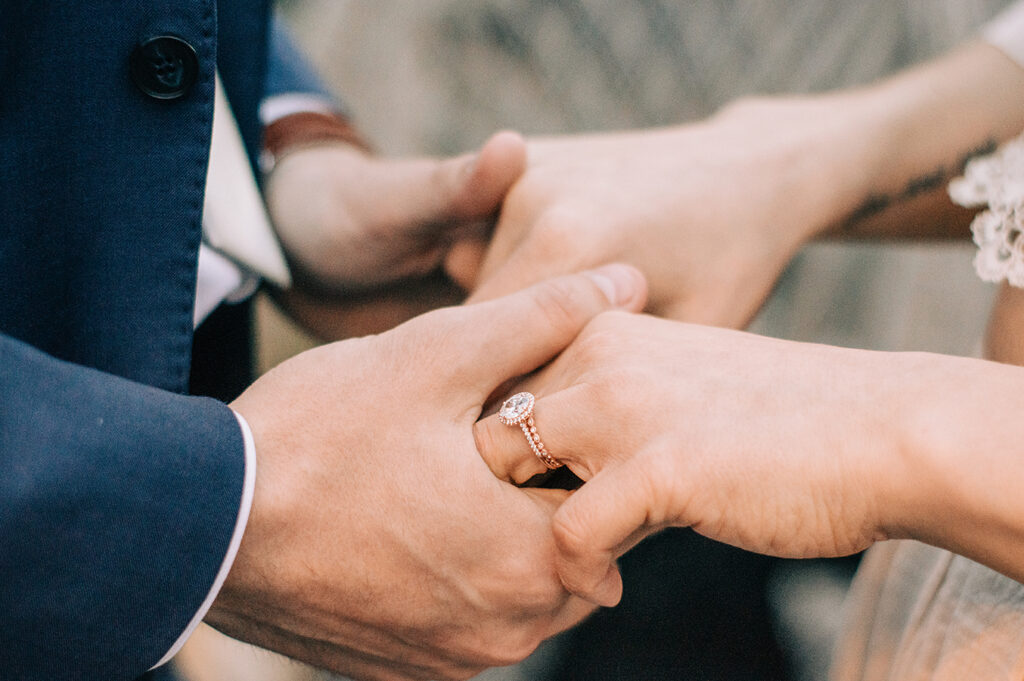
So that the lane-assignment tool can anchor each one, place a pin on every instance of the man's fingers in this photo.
(512, 336)
(431, 200)
(361, 314)
(468, 187)
(552, 246)
(477, 186)
(594, 525)
(462, 262)
(522, 268)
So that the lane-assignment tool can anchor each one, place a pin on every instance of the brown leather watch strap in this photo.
(307, 129)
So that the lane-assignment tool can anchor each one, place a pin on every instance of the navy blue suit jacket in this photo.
(118, 493)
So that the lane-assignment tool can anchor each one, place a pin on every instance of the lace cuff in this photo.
(996, 181)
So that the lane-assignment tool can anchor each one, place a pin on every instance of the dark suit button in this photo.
(164, 67)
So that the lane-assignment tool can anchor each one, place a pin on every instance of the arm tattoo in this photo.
(877, 203)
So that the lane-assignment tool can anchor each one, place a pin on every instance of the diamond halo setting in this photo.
(516, 409)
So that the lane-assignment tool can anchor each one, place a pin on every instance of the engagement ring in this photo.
(518, 411)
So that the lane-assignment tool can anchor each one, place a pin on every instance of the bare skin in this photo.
(379, 545)
(366, 236)
(785, 448)
(713, 211)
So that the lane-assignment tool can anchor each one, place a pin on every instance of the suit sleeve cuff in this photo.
(248, 489)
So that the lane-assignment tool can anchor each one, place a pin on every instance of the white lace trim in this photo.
(996, 181)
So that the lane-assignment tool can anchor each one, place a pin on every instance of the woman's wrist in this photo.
(820, 154)
(918, 426)
(877, 459)
(959, 446)
(917, 130)
(914, 477)
(798, 157)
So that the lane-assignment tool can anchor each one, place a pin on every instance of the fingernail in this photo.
(617, 282)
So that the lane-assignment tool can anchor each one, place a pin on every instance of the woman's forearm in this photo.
(874, 161)
(915, 132)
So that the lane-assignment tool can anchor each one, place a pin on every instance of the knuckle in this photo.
(606, 334)
(661, 485)
(558, 231)
(443, 318)
(590, 392)
(503, 656)
(448, 175)
(580, 583)
(490, 647)
(519, 567)
(566, 527)
(596, 345)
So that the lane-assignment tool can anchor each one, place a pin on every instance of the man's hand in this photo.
(379, 544)
(365, 230)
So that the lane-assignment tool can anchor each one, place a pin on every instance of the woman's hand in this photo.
(782, 448)
(711, 212)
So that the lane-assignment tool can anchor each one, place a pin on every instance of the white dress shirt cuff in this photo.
(248, 488)
(219, 280)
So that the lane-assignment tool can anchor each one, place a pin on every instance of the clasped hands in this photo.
(381, 544)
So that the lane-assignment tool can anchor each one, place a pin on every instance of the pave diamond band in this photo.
(518, 411)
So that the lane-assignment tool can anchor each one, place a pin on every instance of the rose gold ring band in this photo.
(518, 411)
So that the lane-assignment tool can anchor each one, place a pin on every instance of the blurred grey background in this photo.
(438, 76)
